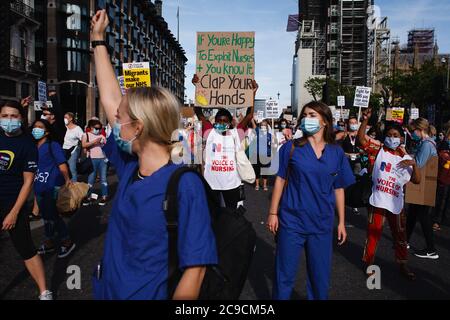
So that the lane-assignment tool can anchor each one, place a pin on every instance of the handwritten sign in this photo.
(225, 67)
(42, 91)
(341, 101)
(362, 97)
(272, 109)
(136, 74)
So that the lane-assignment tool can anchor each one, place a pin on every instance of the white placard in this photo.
(260, 116)
(272, 109)
(344, 116)
(341, 101)
(414, 113)
(39, 104)
(362, 97)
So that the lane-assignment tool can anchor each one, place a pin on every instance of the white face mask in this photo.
(66, 122)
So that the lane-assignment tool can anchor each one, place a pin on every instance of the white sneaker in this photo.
(46, 295)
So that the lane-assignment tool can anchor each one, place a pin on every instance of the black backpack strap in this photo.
(170, 207)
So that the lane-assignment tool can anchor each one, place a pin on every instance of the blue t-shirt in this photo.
(135, 259)
(48, 175)
(308, 203)
(17, 155)
(425, 150)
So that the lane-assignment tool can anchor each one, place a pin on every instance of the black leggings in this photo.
(423, 214)
(21, 234)
(231, 197)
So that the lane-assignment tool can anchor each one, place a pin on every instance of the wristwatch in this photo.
(98, 43)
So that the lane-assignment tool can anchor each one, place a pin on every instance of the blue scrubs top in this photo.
(308, 203)
(48, 175)
(135, 260)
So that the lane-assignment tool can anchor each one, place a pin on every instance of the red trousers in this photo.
(397, 223)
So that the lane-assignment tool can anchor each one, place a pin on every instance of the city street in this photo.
(88, 227)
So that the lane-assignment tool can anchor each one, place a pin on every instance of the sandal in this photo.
(257, 188)
(266, 189)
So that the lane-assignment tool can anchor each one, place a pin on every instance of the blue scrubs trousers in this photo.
(318, 248)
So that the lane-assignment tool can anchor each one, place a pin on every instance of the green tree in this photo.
(314, 86)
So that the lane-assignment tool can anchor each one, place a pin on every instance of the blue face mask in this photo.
(392, 143)
(10, 125)
(96, 131)
(415, 137)
(354, 127)
(310, 126)
(124, 145)
(221, 127)
(38, 133)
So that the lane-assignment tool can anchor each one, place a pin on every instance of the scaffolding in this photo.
(311, 37)
(333, 40)
(354, 42)
(423, 39)
(379, 54)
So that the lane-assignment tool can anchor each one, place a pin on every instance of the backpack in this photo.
(235, 240)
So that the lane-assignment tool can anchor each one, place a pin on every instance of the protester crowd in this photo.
(313, 162)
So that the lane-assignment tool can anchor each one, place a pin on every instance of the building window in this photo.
(25, 89)
(74, 17)
(75, 44)
(77, 61)
(23, 36)
(8, 88)
(101, 4)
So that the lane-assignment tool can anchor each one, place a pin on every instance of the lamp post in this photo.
(447, 60)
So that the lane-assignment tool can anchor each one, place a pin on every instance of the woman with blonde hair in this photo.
(135, 261)
(426, 148)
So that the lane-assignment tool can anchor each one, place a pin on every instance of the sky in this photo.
(274, 47)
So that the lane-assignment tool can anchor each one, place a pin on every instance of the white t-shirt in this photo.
(388, 181)
(220, 160)
(72, 137)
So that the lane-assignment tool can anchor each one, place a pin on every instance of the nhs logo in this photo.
(386, 166)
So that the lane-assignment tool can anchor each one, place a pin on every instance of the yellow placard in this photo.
(136, 74)
(398, 114)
